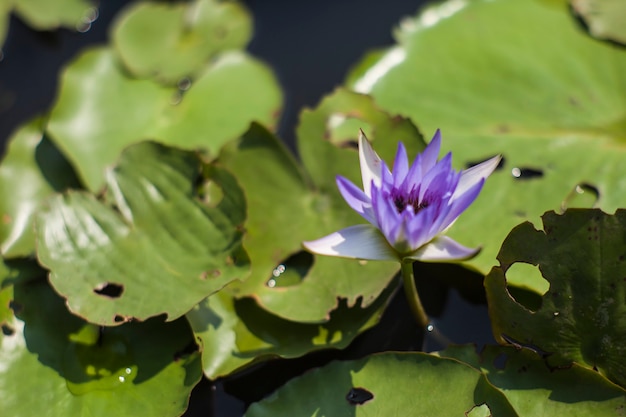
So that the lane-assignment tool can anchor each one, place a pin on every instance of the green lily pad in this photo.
(78, 369)
(31, 170)
(533, 389)
(387, 384)
(582, 317)
(101, 109)
(157, 245)
(604, 18)
(235, 333)
(552, 105)
(287, 206)
(173, 41)
(47, 15)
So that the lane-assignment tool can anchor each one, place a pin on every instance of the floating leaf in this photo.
(286, 207)
(386, 384)
(78, 369)
(604, 18)
(582, 317)
(236, 333)
(32, 169)
(47, 15)
(156, 248)
(490, 77)
(174, 41)
(101, 109)
(533, 389)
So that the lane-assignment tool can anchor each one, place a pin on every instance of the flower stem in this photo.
(412, 296)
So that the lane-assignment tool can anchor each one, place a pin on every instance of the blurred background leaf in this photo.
(32, 169)
(172, 41)
(101, 109)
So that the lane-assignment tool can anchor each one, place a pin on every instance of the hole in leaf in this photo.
(583, 195)
(526, 173)
(210, 193)
(291, 271)
(526, 285)
(358, 396)
(184, 84)
(15, 306)
(109, 290)
(119, 319)
(7, 330)
(474, 163)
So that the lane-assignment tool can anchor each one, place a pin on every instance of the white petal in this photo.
(370, 164)
(362, 241)
(472, 175)
(443, 249)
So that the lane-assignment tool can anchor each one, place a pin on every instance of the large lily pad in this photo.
(388, 384)
(77, 369)
(235, 333)
(157, 245)
(32, 169)
(173, 41)
(582, 317)
(511, 77)
(287, 206)
(533, 389)
(101, 109)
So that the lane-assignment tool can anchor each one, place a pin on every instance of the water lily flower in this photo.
(408, 209)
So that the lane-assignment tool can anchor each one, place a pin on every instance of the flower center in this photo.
(403, 201)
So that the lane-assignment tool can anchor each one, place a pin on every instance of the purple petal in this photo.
(356, 198)
(414, 176)
(370, 164)
(443, 167)
(443, 249)
(357, 242)
(430, 154)
(461, 203)
(419, 226)
(471, 176)
(387, 215)
(400, 165)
